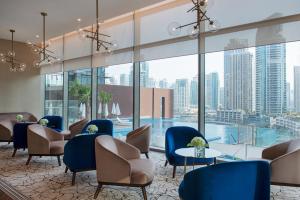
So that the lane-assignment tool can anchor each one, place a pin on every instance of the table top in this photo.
(190, 152)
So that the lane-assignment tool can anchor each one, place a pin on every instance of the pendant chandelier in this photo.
(193, 29)
(102, 40)
(14, 64)
(45, 56)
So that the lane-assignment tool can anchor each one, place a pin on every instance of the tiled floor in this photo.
(44, 179)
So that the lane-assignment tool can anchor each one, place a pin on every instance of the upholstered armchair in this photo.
(79, 154)
(284, 161)
(104, 126)
(6, 131)
(178, 137)
(55, 122)
(119, 163)
(247, 180)
(44, 141)
(140, 138)
(75, 129)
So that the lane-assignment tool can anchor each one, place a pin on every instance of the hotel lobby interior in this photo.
(150, 99)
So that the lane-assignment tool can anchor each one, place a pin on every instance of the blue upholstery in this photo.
(178, 137)
(20, 135)
(55, 122)
(104, 126)
(247, 180)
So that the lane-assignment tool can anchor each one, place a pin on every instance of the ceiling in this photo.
(24, 15)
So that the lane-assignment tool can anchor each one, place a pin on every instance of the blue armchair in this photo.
(55, 122)
(104, 126)
(79, 152)
(178, 137)
(247, 180)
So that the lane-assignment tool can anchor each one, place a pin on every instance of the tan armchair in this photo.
(44, 141)
(6, 131)
(75, 129)
(284, 161)
(119, 163)
(140, 138)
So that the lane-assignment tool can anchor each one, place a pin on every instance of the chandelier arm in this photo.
(179, 27)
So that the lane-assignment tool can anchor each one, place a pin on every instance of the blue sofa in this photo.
(178, 137)
(247, 180)
(55, 122)
(79, 152)
(104, 126)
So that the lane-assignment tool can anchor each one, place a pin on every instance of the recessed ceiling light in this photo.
(78, 20)
(37, 36)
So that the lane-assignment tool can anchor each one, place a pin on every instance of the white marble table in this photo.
(190, 152)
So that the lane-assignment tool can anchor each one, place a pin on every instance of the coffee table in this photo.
(190, 152)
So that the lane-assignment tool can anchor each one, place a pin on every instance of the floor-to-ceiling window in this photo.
(168, 95)
(54, 94)
(79, 102)
(115, 96)
(251, 95)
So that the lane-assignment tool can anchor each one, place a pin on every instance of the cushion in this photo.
(142, 171)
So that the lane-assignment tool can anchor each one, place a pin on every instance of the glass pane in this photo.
(79, 103)
(251, 97)
(54, 94)
(169, 95)
(115, 97)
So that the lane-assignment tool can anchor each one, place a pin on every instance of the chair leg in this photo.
(174, 171)
(166, 163)
(14, 153)
(8, 143)
(66, 170)
(98, 191)
(147, 156)
(29, 158)
(58, 159)
(144, 193)
(73, 178)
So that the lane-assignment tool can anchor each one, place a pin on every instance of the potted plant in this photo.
(19, 118)
(199, 145)
(92, 128)
(43, 122)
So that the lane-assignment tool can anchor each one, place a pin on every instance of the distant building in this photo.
(194, 92)
(163, 83)
(291, 123)
(212, 91)
(221, 97)
(237, 77)
(230, 116)
(288, 97)
(125, 80)
(297, 88)
(151, 83)
(144, 77)
(182, 95)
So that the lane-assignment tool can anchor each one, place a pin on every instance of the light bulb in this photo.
(193, 31)
(11, 54)
(203, 2)
(114, 45)
(36, 64)
(22, 67)
(174, 28)
(13, 68)
(1, 55)
(213, 25)
(3, 60)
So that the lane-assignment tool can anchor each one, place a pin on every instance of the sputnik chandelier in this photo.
(194, 27)
(45, 56)
(100, 38)
(14, 64)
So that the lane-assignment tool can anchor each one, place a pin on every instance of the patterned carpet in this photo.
(44, 179)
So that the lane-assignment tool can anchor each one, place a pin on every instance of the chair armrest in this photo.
(275, 151)
(285, 169)
(53, 135)
(127, 151)
(111, 167)
(6, 130)
(37, 144)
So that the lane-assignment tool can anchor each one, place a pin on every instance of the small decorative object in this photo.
(19, 118)
(43, 122)
(199, 145)
(92, 128)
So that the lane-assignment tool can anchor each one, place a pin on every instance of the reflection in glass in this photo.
(54, 94)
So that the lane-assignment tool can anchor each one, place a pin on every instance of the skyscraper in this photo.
(163, 83)
(194, 92)
(271, 79)
(297, 88)
(237, 77)
(124, 79)
(144, 77)
(288, 96)
(212, 90)
(221, 97)
(182, 95)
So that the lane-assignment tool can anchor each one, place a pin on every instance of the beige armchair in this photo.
(6, 131)
(75, 129)
(44, 141)
(140, 138)
(119, 163)
(284, 161)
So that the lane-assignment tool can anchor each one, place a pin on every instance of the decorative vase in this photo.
(199, 152)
